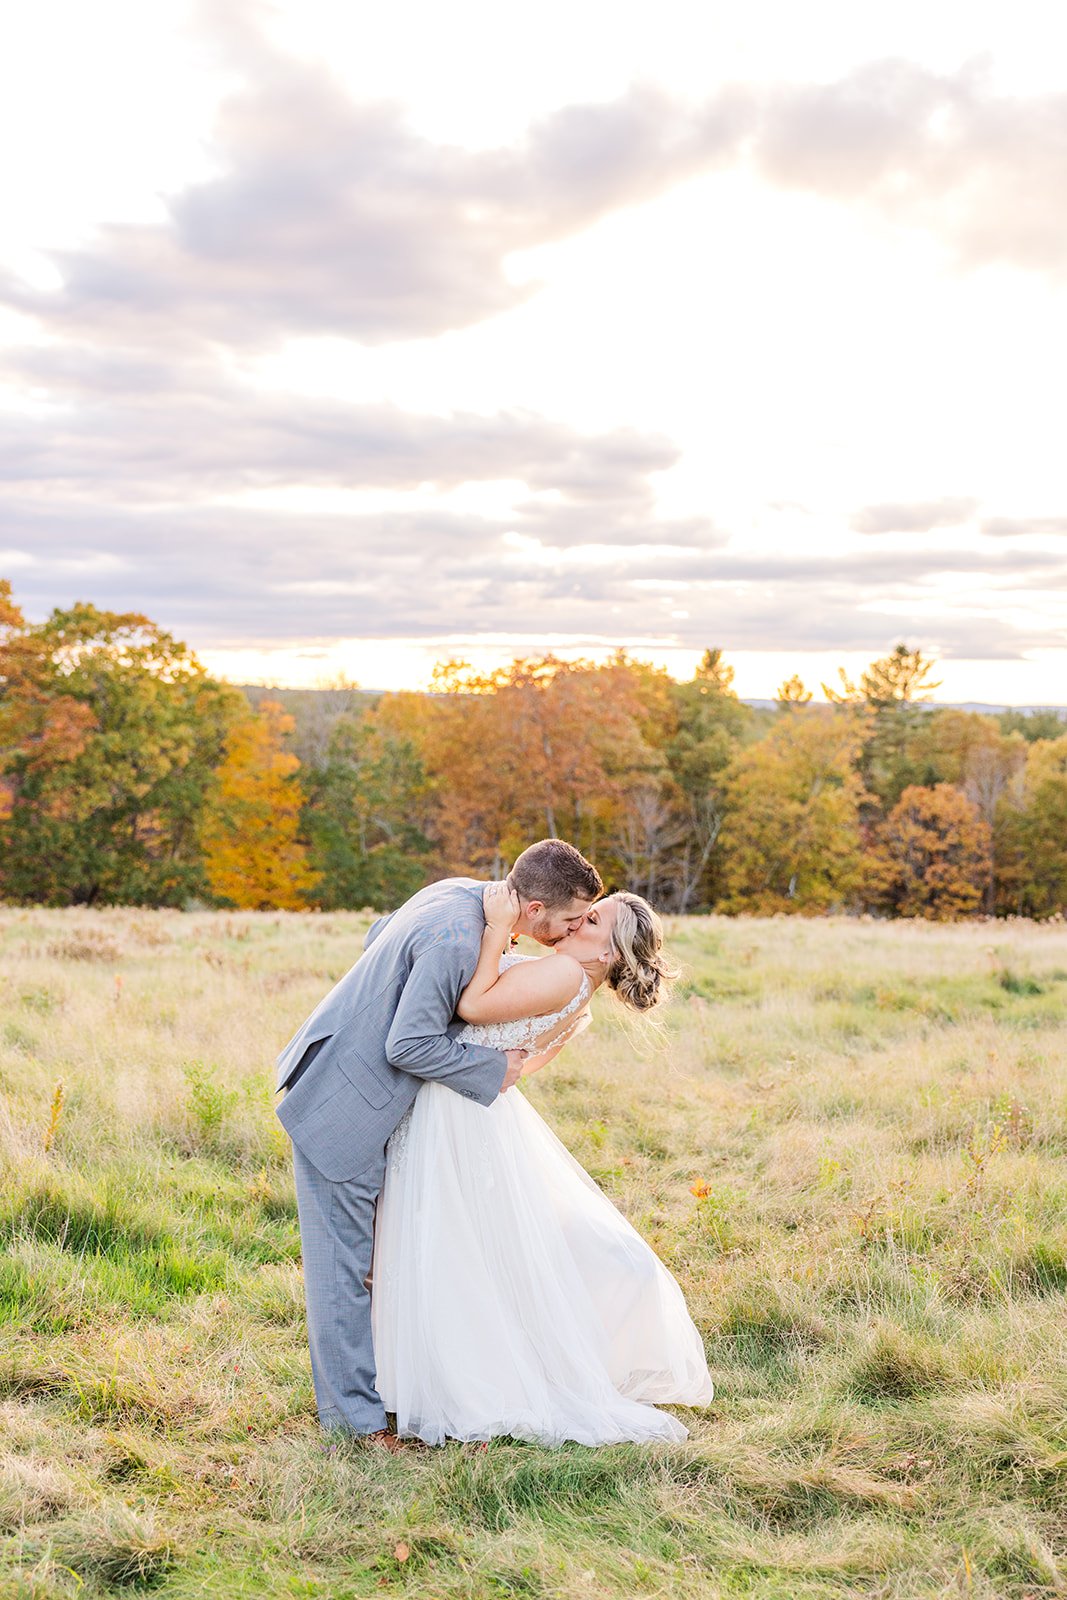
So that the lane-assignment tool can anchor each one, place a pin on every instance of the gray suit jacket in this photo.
(387, 1025)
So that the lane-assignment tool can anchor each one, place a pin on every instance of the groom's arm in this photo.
(419, 1041)
(375, 929)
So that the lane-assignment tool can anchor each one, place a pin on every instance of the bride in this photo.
(510, 1297)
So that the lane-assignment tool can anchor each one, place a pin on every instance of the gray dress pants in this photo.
(337, 1237)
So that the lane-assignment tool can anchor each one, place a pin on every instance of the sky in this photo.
(340, 340)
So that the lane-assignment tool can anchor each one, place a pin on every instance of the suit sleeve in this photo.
(375, 929)
(419, 1041)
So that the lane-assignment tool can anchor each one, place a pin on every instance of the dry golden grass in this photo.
(848, 1141)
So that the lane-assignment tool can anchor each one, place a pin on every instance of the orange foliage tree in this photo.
(254, 857)
(41, 727)
(537, 748)
(932, 855)
(972, 752)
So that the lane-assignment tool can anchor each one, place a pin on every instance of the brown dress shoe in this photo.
(382, 1439)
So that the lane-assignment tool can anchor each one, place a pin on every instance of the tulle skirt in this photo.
(511, 1297)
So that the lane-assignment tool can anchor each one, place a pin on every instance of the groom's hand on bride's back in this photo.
(515, 1059)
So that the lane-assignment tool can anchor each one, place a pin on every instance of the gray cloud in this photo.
(917, 516)
(612, 523)
(203, 434)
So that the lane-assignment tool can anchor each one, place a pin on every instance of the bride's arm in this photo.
(501, 907)
(528, 989)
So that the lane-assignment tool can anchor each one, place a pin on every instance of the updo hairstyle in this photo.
(639, 974)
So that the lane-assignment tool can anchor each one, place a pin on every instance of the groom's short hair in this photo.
(555, 873)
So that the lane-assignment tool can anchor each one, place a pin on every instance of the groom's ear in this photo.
(532, 908)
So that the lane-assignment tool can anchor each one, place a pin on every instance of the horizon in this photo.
(934, 701)
(753, 679)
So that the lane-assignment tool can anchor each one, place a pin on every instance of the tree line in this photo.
(129, 776)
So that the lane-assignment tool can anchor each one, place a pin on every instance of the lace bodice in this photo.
(524, 1032)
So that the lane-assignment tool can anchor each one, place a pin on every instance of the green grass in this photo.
(848, 1141)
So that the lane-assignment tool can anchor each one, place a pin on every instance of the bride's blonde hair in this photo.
(640, 973)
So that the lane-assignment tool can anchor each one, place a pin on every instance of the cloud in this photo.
(331, 216)
(917, 516)
(328, 216)
(924, 516)
(1013, 527)
(984, 172)
(228, 575)
(132, 432)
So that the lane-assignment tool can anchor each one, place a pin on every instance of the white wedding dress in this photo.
(509, 1295)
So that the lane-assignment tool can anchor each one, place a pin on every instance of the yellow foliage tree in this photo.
(253, 856)
(791, 840)
(1042, 830)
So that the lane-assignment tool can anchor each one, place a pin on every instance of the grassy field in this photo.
(849, 1142)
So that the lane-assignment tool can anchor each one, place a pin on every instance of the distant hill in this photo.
(315, 712)
(350, 695)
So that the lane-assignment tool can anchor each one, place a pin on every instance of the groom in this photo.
(354, 1068)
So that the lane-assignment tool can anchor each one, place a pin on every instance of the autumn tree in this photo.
(895, 689)
(638, 821)
(793, 693)
(898, 679)
(109, 732)
(536, 748)
(254, 856)
(1048, 722)
(931, 858)
(711, 724)
(715, 672)
(316, 713)
(464, 744)
(791, 839)
(1042, 830)
(973, 752)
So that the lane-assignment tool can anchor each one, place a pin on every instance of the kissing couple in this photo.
(461, 1269)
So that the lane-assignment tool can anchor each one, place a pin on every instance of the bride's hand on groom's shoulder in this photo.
(501, 906)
